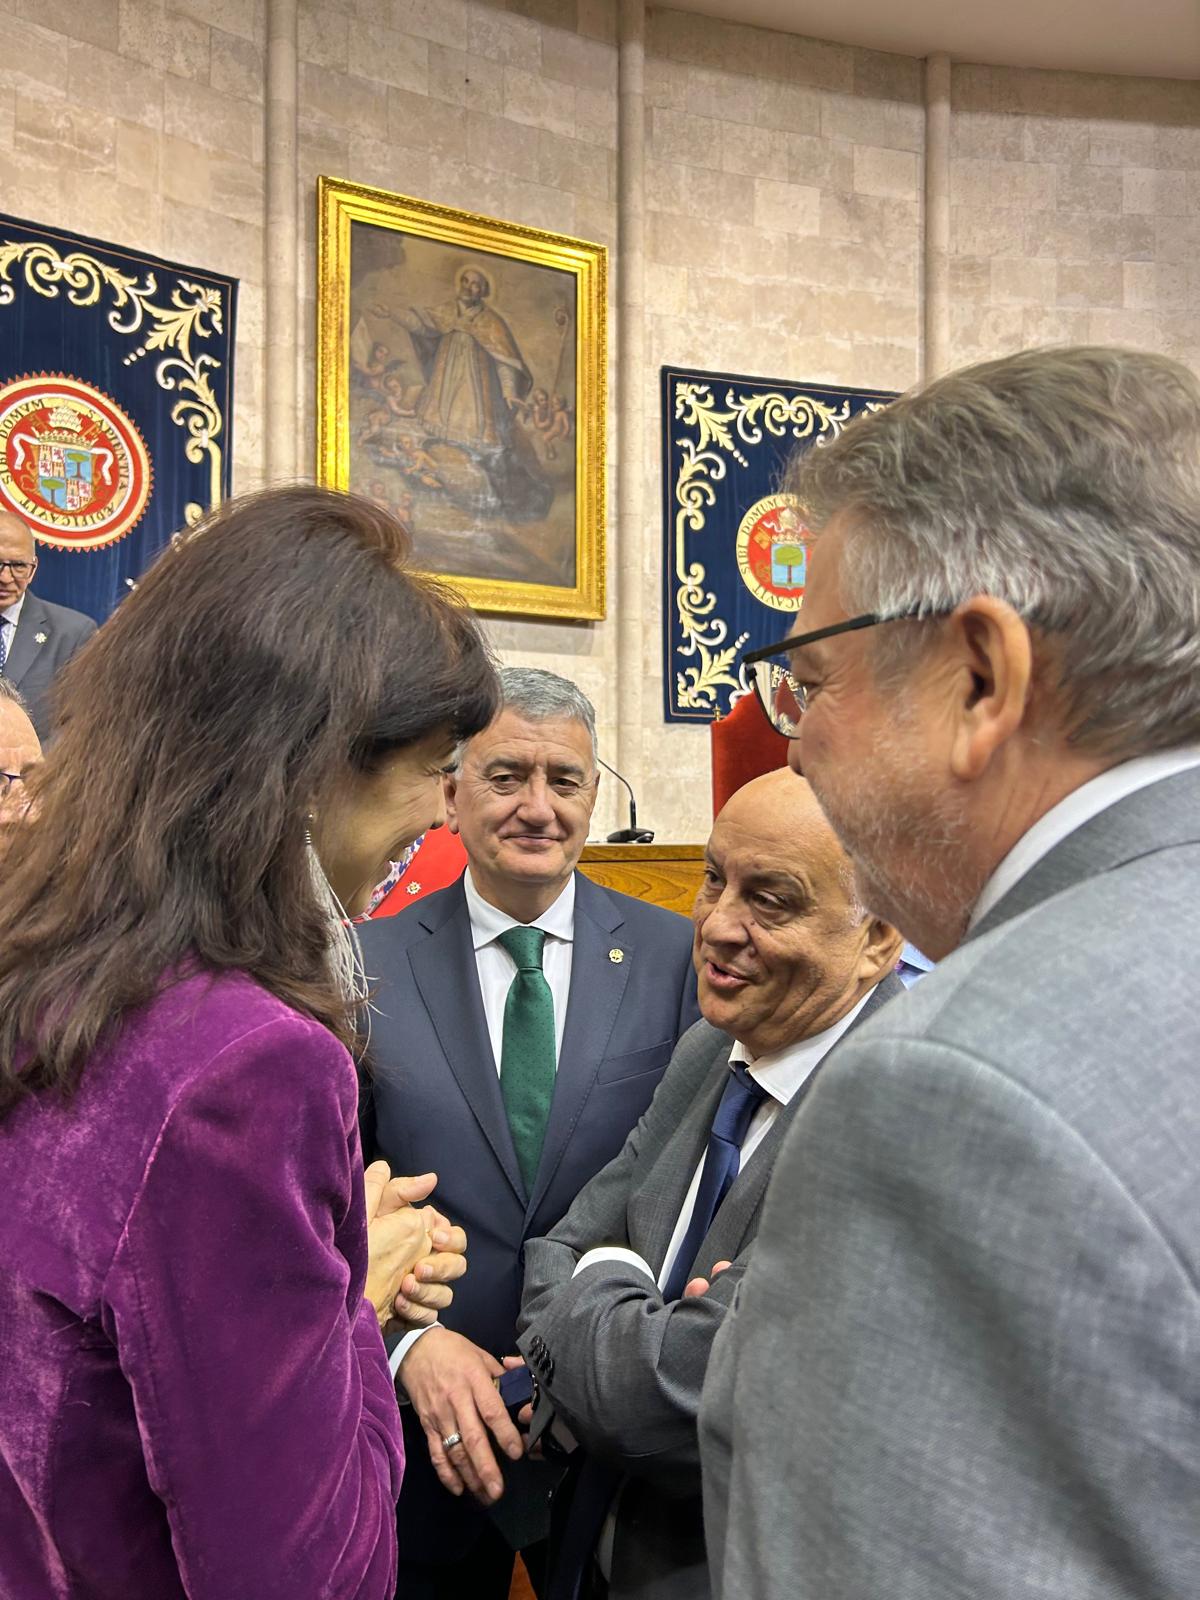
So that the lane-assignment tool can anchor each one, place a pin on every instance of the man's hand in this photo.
(452, 1384)
(699, 1286)
(525, 1415)
(424, 1291)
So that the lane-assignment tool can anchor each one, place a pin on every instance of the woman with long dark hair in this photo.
(194, 1398)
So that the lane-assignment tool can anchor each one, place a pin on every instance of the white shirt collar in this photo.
(13, 612)
(1080, 806)
(782, 1072)
(488, 922)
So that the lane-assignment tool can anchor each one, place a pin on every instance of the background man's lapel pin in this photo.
(616, 956)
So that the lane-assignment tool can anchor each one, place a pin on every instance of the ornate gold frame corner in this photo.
(339, 204)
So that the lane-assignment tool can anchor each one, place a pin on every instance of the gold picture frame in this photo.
(461, 380)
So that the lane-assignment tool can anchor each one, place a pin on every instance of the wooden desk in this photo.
(662, 874)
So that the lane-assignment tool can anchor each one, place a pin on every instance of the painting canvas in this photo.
(461, 385)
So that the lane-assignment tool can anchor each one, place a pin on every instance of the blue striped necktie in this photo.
(722, 1159)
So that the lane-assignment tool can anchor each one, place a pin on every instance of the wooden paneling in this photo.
(661, 874)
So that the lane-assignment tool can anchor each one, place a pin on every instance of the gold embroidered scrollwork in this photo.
(720, 433)
(195, 312)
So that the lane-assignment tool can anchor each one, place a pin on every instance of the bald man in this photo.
(37, 638)
(20, 752)
(623, 1300)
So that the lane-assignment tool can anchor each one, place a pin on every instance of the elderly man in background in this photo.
(20, 752)
(788, 962)
(966, 1356)
(522, 1020)
(37, 638)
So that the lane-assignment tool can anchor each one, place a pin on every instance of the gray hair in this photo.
(538, 696)
(9, 691)
(1065, 482)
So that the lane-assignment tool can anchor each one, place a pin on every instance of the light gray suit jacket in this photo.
(623, 1368)
(965, 1360)
(47, 637)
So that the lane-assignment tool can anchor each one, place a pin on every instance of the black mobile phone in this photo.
(516, 1389)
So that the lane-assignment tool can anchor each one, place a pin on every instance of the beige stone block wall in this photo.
(783, 198)
(140, 122)
(508, 112)
(1075, 203)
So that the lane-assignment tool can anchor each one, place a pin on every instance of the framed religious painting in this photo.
(461, 382)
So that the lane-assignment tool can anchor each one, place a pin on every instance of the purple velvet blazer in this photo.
(194, 1397)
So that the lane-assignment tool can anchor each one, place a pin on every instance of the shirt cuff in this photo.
(403, 1347)
(613, 1252)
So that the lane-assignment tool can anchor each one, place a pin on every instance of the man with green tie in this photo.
(522, 1020)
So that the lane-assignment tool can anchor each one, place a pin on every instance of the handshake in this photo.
(414, 1253)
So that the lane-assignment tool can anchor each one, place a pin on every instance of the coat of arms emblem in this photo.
(72, 464)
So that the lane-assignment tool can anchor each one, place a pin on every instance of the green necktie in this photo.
(527, 1054)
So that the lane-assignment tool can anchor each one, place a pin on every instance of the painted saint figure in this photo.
(475, 381)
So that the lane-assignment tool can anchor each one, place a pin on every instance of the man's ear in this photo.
(995, 670)
(450, 794)
(881, 950)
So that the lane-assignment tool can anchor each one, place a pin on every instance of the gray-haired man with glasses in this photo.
(37, 637)
(966, 1355)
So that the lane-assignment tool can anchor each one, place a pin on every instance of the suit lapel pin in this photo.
(414, 888)
(39, 638)
(616, 957)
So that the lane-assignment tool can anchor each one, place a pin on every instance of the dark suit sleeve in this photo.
(628, 1368)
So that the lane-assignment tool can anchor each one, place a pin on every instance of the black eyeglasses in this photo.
(783, 698)
(19, 569)
(7, 779)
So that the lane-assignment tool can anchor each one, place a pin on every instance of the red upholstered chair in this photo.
(439, 861)
(744, 746)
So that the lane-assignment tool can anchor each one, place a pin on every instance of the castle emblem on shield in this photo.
(72, 464)
(771, 553)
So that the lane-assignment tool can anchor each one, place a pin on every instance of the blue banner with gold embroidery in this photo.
(116, 389)
(733, 552)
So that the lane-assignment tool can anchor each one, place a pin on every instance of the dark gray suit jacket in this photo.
(965, 1361)
(437, 1107)
(626, 1368)
(47, 637)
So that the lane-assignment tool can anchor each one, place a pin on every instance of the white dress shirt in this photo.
(497, 969)
(1080, 806)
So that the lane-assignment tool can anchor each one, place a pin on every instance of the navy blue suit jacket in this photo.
(435, 1105)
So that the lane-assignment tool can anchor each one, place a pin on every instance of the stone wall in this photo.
(1076, 212)
(141, 123)
(492, 111)
(783, 199)
(782, 196)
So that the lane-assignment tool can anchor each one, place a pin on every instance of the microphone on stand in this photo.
(632, 834)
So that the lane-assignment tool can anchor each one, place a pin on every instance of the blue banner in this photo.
(733, 551)
(116, 390)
